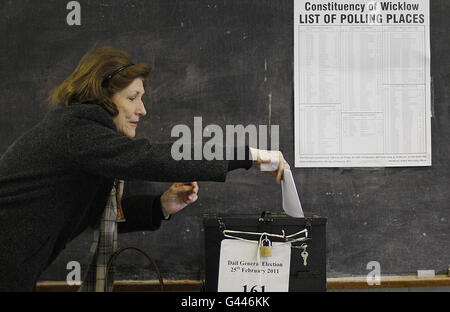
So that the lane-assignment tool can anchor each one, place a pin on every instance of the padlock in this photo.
(266, 248)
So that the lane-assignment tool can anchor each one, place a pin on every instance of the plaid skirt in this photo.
(105, 243)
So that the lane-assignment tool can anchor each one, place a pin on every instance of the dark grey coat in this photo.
(56, 178)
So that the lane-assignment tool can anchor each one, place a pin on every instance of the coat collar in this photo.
(94, 112)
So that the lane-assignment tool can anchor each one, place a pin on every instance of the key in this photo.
(304, 255)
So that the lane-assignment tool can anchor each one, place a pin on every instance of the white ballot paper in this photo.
(291, 201)
(240, 270)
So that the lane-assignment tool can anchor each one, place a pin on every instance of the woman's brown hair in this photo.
(89, 82)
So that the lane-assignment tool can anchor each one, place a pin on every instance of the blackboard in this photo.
(231, 62)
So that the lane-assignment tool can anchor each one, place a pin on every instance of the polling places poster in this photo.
(362, 83)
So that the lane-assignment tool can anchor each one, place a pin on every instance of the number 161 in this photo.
(254, 288)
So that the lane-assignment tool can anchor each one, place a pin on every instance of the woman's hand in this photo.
(178, 196)
(282, 165)
(272, 161)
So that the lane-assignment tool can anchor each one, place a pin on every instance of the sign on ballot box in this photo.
(240, 268)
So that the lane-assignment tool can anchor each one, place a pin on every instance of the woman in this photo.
(56, 179)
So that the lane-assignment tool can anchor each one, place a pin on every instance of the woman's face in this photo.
(130, 106)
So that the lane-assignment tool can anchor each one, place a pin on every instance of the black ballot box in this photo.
(302, 278)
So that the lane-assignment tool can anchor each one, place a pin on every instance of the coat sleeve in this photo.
(97, 149)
